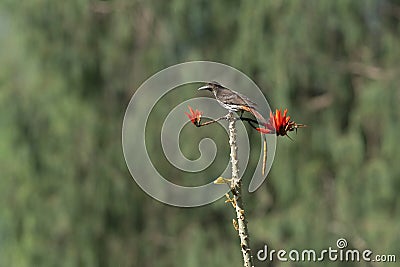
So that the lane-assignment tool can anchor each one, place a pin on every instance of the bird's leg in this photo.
(241, 113)
(250, 121)
(252, 125)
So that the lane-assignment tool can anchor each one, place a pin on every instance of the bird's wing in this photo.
(233, 97)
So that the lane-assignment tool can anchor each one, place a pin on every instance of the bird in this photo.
(236, 102)
(232, 100)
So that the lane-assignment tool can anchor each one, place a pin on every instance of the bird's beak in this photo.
(205, 87)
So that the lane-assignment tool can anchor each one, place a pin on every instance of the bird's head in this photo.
(211, 86)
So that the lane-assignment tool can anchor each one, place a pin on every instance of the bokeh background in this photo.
(68, 70)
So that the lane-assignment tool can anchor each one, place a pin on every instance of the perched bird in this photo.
(233, 101)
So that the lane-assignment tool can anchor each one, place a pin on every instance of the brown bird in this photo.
(233, 101)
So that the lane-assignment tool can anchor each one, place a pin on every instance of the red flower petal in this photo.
(194, 116)
(279, 123)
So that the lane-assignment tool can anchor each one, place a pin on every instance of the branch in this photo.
(212, 121)
(237, 201)
(226, 117)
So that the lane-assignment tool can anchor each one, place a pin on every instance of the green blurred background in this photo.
(68, 70)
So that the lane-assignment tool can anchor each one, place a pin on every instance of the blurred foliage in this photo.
(68, 70)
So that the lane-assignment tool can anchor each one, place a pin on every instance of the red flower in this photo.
(194, 116)
(279, 124)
